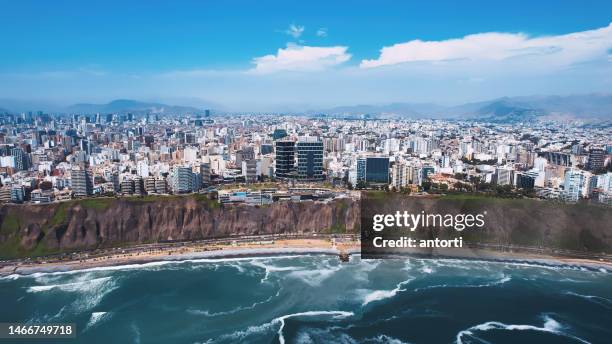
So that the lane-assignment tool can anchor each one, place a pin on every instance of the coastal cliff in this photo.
(537, 224)
(33, 230)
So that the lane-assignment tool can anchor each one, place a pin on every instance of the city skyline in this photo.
(272, 56)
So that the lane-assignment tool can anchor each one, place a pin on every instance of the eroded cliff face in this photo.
(522, 222)
(42, 229)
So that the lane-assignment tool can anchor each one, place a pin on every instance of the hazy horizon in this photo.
(273, 56)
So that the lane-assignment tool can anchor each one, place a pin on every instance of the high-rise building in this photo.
(503, 176)
(128, 187)
(400, 175)
(251, 169)
(525, 181)
(205, 173)
(377, 170)
(21, 159)
(572, 186)
(361, 169)
(310, 159)
(285, 159)
(596, 159)
(181, 180)
(82, 183)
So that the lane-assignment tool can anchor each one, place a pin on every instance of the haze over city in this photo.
(270, 56)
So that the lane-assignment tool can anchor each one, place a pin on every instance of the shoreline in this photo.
(284, 247)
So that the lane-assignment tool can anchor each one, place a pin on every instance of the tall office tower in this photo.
(205, 173)
(524, 181)
(377, 170)
(400, 175)
(82, 183)
(572, 186)
(114, 178)
(361, 169)
(310, 159)
(21, 159)
(285, 159)
(182, 180)
(596, 159)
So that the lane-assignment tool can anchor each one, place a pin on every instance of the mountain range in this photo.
(126, 105)
(596, 107)
(506, 109)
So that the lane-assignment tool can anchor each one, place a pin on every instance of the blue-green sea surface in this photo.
(318, 299)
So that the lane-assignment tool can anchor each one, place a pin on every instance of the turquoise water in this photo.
(317, 299)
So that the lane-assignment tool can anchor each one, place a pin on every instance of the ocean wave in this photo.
(502, 280)
(379, 295)
(151, 265)
(96, 318)
(593, 298)
(281, 320)
(89, 292)
(235, 310)
(80, 286)
(317, 275)
(550, 326)
(268, 268)
(241, 335)
(10, 277)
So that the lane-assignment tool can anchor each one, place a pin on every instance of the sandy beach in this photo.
(271, 248)
(145, 255)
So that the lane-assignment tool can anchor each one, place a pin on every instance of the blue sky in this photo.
(270, 55)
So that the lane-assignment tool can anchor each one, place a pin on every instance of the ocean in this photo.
(318, 299)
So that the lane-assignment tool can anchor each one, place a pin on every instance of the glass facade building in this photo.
(310, 159)
(285, 159)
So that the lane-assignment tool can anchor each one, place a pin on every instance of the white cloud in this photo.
(295, 31)
(301, 58)
(322, 32)
(560, 50)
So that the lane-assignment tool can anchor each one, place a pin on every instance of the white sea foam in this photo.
(427, 270)
(502, 280)
(378, 295)
(268, 268)
(79, 286)
(281, 320)
(89, 292)
(550, 326)
(594, 298)
(315, 276)
(235, 310)
(241, 335)
(96, 318)
(169, 261)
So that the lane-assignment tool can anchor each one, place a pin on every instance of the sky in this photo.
(299, 55)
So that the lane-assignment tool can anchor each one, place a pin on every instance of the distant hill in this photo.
(506, 109)
(126, 105)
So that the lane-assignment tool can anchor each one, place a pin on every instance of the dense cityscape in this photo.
(254, 159)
